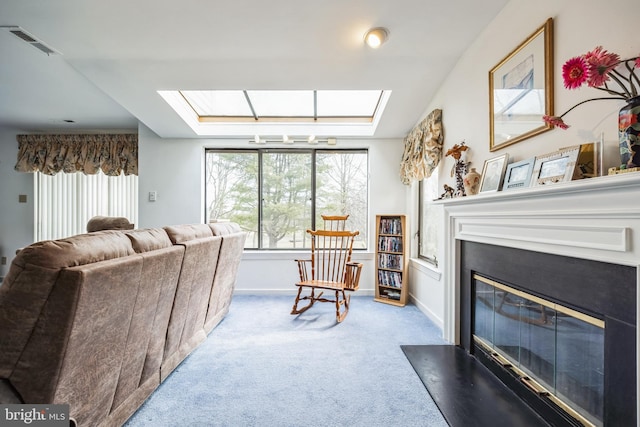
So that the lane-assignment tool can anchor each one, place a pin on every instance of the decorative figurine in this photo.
(460, 167)
(448, 192)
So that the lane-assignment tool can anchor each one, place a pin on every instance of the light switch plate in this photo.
(153, 195)
(22, 198)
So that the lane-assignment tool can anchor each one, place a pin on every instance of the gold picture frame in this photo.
(521, 90)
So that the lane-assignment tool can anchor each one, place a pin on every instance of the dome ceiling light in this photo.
(375, 37)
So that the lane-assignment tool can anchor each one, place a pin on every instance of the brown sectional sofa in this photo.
(98, 320)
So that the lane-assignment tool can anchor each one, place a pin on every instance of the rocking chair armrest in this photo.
(352, 275)
(303, 269)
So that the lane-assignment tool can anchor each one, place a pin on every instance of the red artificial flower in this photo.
(597, 68)
(555, 121)
(600, 63)
(627, 120)
(575, 72)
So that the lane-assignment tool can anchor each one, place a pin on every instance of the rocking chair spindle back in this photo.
(330, 269)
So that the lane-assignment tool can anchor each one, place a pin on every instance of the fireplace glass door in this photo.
(557, 351)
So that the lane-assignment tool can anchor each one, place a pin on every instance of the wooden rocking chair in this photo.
(334, 222)
(330, 268)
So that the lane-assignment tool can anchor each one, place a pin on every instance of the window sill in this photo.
(426, 268)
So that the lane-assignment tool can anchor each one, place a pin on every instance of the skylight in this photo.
(277, 112)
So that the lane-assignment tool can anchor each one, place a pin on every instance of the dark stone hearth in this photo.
(465, 391)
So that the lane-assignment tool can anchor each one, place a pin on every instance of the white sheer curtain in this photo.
(65, 202)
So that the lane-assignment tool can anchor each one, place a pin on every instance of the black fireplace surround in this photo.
(602, 290)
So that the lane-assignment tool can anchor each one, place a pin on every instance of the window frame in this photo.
(313, 152)
(433, 260)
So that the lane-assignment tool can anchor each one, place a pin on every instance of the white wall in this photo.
(579, 26)
(16, 219)
(175, 169)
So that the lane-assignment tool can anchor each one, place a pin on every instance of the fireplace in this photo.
(559, 332)
(554, 350)
(558, 268)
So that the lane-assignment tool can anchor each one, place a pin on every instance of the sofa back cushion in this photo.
(75, 352)
(186, 325)
(224, 282)
(150, 239)
(31, 278)
(185, 232)
(224, 228)
(148, 327)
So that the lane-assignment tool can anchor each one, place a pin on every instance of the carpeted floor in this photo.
(264, 367)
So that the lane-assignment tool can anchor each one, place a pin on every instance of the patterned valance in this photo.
(422, 149)
(86, 153)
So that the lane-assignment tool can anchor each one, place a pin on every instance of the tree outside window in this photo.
(276, 195)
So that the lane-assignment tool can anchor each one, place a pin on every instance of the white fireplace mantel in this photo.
(596, 219)
(591, 219)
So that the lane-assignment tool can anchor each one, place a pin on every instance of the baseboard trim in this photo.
(427, 312)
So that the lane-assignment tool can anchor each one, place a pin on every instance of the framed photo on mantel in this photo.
(493, 173)
(518, 174)
(566, 164)
(558, 166)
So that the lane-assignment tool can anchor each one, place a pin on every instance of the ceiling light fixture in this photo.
(375, 37)
(285, 139)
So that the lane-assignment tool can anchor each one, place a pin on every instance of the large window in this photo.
(65, 202)
(276, 195)
(431, 218)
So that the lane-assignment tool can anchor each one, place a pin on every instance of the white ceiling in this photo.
(117, 54)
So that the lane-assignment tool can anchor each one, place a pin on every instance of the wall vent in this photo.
(28, 38)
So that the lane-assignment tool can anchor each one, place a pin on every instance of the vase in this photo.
(629, 134)
(471, 182)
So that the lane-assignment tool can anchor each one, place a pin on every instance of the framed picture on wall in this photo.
(518, 174)
(521, 90)
(493, 173)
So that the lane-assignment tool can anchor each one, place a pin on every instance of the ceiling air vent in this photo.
(24, 36)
